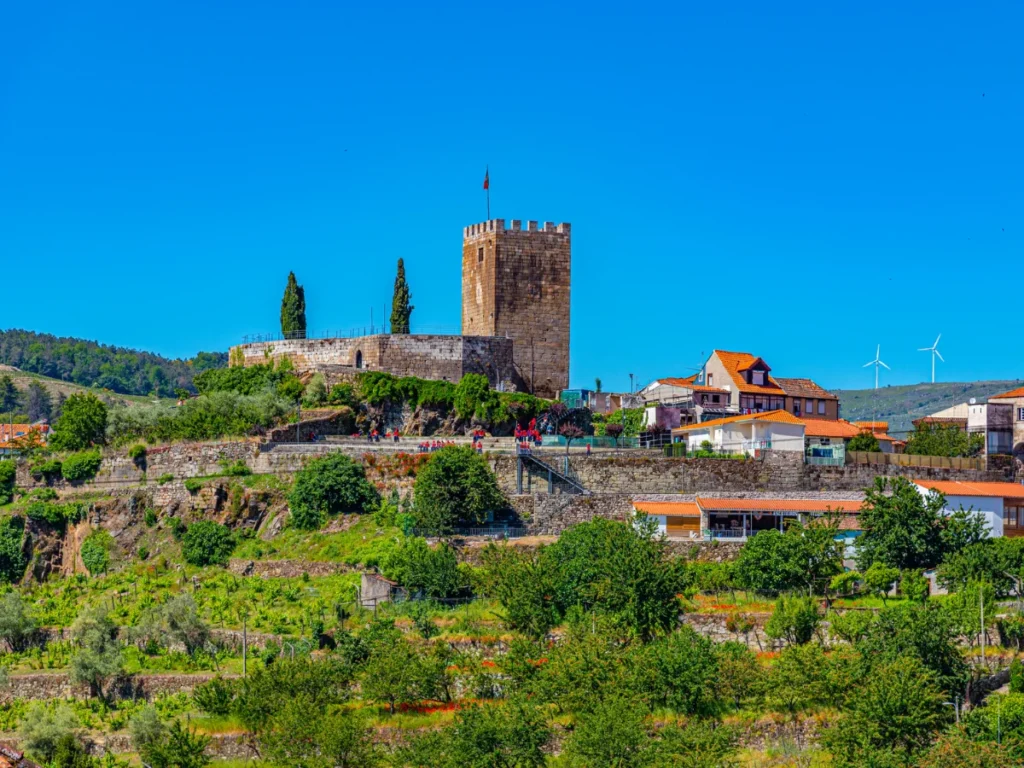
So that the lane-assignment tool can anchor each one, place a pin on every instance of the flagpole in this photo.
(487, 175)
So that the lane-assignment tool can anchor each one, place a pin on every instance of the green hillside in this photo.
(900, 405)
(91, 364)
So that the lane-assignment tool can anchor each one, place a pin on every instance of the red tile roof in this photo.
(827, 428)
(735, 362)
(961, 488)
(881, 426)
(1013, 393)
(675, 508)
(805, 388)
(779, 505)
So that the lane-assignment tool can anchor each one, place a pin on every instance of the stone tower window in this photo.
(359, 358)
(479, 255)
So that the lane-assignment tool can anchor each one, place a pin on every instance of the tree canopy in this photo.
(83, 423)
(455, 488)
(401, 309)
(293, 310)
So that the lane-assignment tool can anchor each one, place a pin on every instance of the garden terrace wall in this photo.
(777, 471)
(58, 685)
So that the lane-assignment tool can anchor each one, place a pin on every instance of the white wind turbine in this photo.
(934, 349)
(877, 362)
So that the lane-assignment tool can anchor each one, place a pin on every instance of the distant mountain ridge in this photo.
(900, 405)
(91, 364)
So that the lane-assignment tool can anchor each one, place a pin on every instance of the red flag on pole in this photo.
(487, 179)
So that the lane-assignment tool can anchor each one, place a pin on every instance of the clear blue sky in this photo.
(802, 181)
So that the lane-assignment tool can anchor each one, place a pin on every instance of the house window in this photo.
(808, 406)
(1012, 517)
(821, 407)
(716, 398)
(758, 378)
(796, 407)
(711, 383)
(479, 254)
(1020, 414)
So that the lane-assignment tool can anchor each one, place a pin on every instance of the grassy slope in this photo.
(900, 405)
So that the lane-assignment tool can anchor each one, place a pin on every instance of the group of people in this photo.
(429, 446)
(529, 434)
(373, 436)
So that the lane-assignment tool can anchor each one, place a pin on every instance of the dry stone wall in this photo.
(437, 357)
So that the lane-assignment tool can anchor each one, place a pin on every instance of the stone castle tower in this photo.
(515, 282)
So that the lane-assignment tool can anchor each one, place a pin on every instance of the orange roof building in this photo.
(740, 518)
(1001, 504)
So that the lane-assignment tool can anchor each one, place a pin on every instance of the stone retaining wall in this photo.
(58, 685)
(287, 569)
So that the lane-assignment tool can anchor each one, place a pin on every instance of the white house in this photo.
(1001, 504)
(774, 430)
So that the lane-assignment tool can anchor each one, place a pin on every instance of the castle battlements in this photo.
(515, 225)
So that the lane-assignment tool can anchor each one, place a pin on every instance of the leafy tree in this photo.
(43, 727)
(999, 562)
(851, 626)
(178, 747)
(698, 744)
(401, 309)
(216, 697)
(879, 580)
(955, 749)
(961, 529)
(82, 423)
(680, 671)
(12, 553)
(797, 681)
(893, 717)
(772, 562)
(305, 736)
(176, 622)
(146, 728)
(17, 625)
(327, 486)
(99, 656)
(420, 568)
(930, 439)
(394, 671)
(794, 619)
(570, 432)
(524, 585)
(207, 543)
(902, 529)
(507, 735)
(926, 632)
(964, 608)
(38, 402)
(455, 488)
(69, 753)
(864, 441)
(597, 384)
(315, 393)
(739, 674)
(914, 586)
(8, 477)
(293, 310)
(1000, 718)
(612, 734)
(10, 397)
(618, 569)
(614, 430)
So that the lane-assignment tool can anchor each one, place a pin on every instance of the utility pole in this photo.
(981, 603)
(245, 647)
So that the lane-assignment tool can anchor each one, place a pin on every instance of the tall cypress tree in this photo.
(293, 310)
(401, 309)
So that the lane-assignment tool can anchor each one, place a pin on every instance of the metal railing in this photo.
(491, 531)
(355, 332)
(825, 461)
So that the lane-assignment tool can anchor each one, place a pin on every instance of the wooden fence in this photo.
(912, 460)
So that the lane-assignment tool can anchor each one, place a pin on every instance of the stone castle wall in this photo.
(446, 358)
(516, 283)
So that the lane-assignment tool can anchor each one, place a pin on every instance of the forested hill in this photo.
(900, 405)
(88, 363)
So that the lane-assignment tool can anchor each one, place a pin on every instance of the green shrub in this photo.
(207, 543)
(51, 470)
(54, 514)
(419, 568)
(473, 395)
(215, 697)
(8, 475)
(137, 453)
(1016, 676)
(149, 517)
(80, 467)
(12, 553)
(327, 486)
(315, 394)
(166, 477)
(193, 484)
(82, 423)
(142, 552)
(235, 468)
(178, 527)
(343, 394)
(96, 551)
